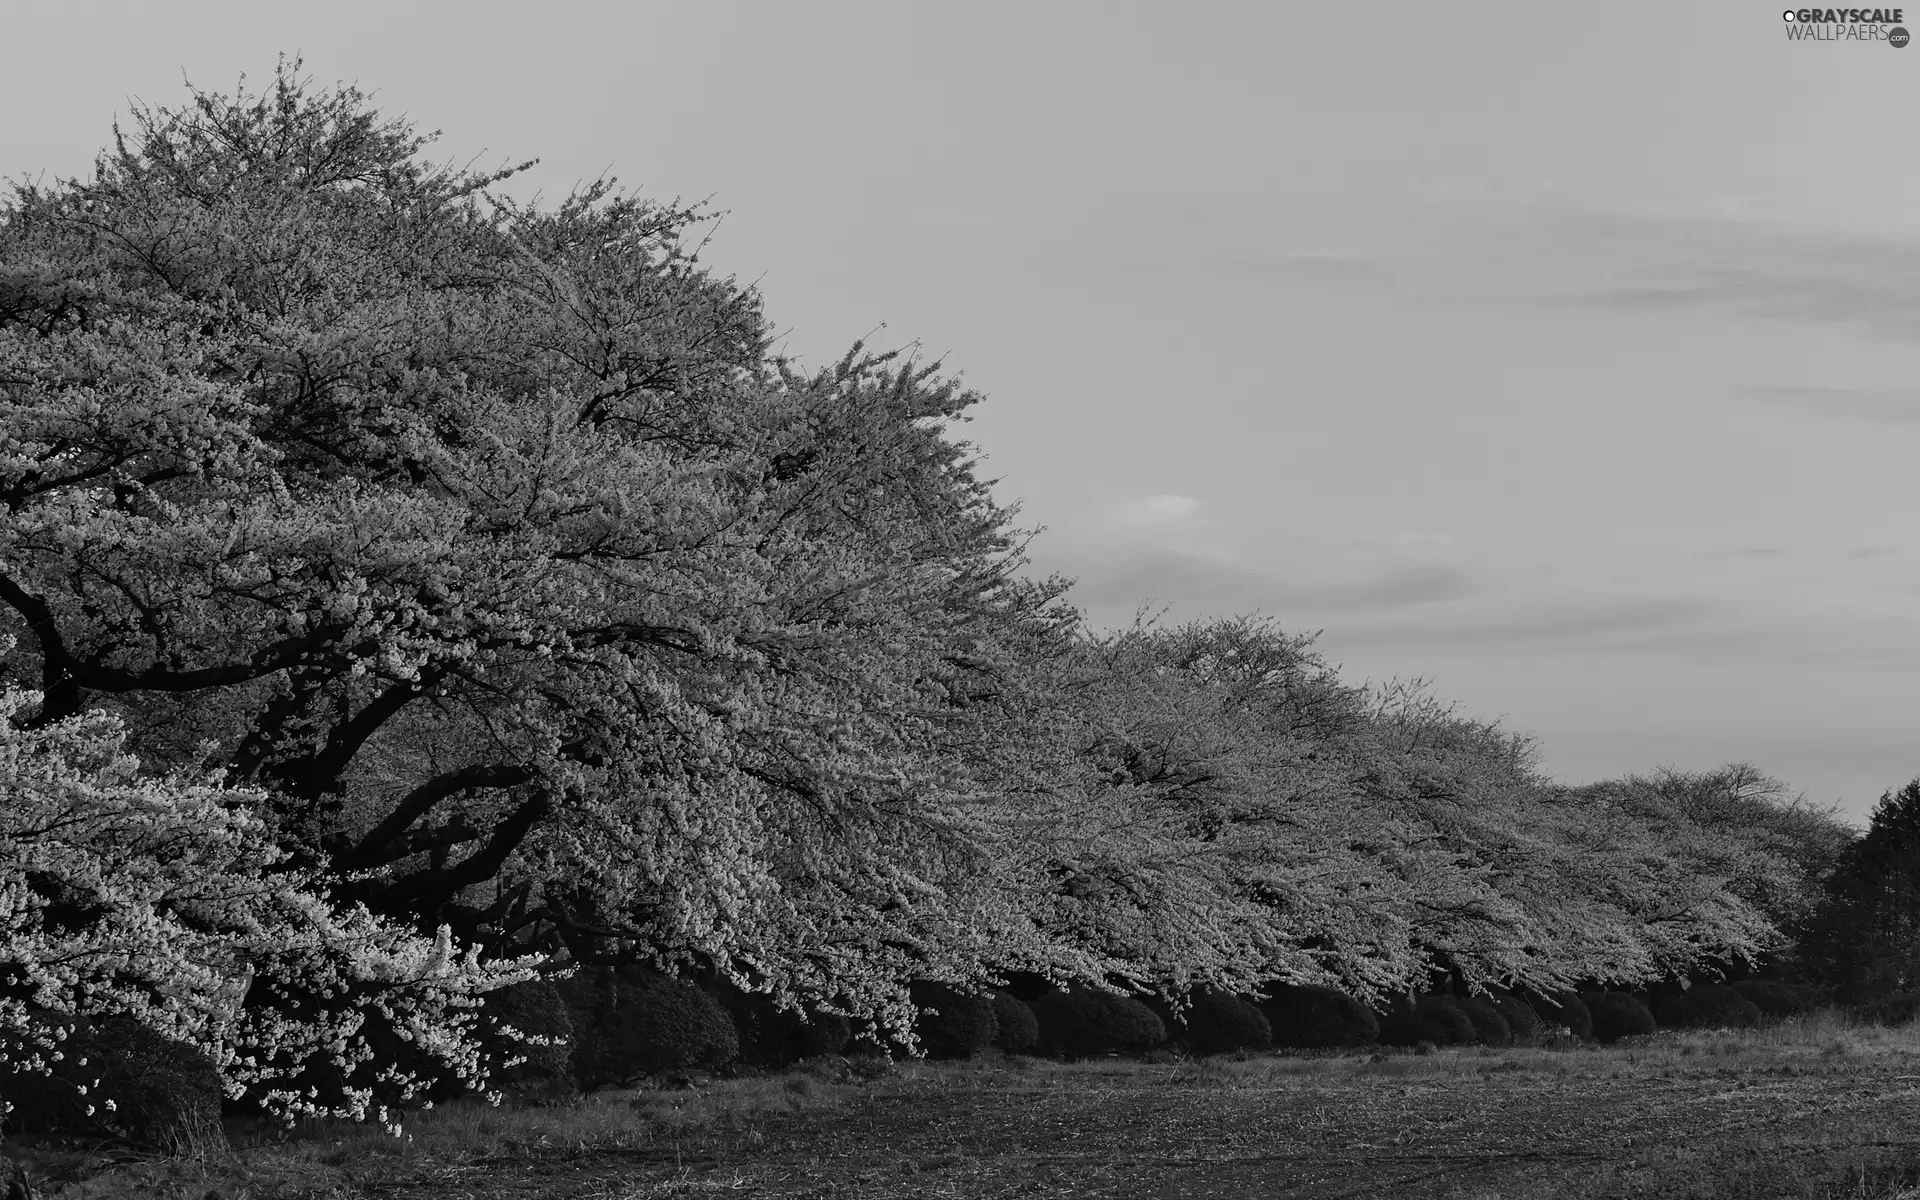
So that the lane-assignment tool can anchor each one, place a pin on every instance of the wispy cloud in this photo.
(1891, 406)
(1752, 553)
(1745, 552)
(1723, 631)
(1612, 624)
(1658, 264)
(1311, 267)
(1116, 580)
(1162, 510)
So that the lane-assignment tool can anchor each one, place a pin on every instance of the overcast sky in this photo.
(1567, 355)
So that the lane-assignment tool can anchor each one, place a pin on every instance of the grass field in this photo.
(1809, 1109)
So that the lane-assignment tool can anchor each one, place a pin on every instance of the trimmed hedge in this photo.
(1617, 1015)
(1312, 1017)
(1562, 1009)
(1085, 1022)
(631, 1021)
(1488, 1023)
(1218, 1022)
(1434, 1017)
(1019, 1031)
(1779, 999)
(1525, 1023)
(963, 1025)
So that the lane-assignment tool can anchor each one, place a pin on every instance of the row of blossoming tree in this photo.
(407, 590)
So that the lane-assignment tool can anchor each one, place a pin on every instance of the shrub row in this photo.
(1084, 1022)
(614, 1025)
(1312, 1017)
(1504, 1019)
(607, 1025)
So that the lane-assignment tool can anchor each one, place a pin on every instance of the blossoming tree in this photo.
(163, 899)
(491, 545)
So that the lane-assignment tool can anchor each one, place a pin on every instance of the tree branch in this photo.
(420, 801)
(59, 689)
(319, 771)
(426, 891)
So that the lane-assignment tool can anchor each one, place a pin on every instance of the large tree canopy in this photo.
(492, 543)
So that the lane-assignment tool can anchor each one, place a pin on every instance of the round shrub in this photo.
(1217, 1022)
(631, 1021)
(771, 1036)
(1617, 1015)
(1898, 1009)
(1524, 1023)
(536, 1008)
(1668, 1004)
(1086, 1021)
(952, 1023)
(119, 1077)
(1019, 1031)
(1778, 999)
(1489, 1025)
(1434, 1017)
(813, 1034)
(1313, 1016)
(1562, 1009)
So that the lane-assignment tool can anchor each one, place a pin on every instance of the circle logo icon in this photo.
(1897, 37)
(1788, 15)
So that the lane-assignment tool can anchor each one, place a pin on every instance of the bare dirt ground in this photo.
(1804, 1113)
(1666, 1121)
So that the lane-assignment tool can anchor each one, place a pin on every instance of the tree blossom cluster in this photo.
(162, 897)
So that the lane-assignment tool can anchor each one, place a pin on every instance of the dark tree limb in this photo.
(59, 686)
(373, 848)
(455, 833)
(427, 891)
(63, 674)
(322, 771)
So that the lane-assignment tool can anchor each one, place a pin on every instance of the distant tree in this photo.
(1864, 938)
(1739, 826)
(1317, 832)
(1706, 869)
